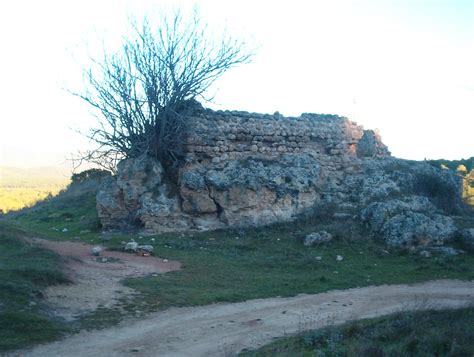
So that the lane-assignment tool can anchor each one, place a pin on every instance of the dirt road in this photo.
(225, 329)
(96, 280)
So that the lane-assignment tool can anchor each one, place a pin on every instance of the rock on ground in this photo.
(409, 221)
(317, 238)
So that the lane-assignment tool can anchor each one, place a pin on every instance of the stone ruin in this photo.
(240, 169)
(245, 169)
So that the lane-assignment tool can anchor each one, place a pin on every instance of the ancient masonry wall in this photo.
(229, 135)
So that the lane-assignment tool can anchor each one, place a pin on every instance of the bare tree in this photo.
(142, 91)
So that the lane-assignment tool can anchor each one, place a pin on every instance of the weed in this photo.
(25, 271)
(427, 333)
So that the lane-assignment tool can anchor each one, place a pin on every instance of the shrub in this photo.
(91, 174)
(443, 191)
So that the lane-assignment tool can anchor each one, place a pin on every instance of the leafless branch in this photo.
(141, 90)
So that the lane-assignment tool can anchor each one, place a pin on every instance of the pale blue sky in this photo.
(405, 67)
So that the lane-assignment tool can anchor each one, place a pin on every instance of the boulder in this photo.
(317, 238)
(408, 222)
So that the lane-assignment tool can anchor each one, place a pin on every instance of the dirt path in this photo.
(96, 279)
(224, 329)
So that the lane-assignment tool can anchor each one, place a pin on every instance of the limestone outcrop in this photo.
(410, 221)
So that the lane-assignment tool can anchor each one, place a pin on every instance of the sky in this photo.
(405, 67)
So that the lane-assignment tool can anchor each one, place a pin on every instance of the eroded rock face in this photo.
(370, 145)
(138, 197)
(382, 179)
(251, 192)
(236, 193)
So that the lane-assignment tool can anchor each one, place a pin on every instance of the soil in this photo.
(96, 279)
(225, 329)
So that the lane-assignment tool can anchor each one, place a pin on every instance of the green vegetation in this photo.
(428, 333)
(464, 168)
(25, 271)
(226, 266)
(454, 164)
(87, 175)
(237, 265)
(69, 214)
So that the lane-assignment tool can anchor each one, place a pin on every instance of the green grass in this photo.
(427, 333)
(223, 266)
(67, 216)
(25, 271)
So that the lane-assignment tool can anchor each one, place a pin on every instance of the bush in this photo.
(91, 174)
(443, 191)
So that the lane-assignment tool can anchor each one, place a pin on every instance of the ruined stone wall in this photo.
(241, 169)
(232, 135)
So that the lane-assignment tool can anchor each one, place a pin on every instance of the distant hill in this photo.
(7, 172)
(23, 187)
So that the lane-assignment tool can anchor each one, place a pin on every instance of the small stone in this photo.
(65, 230)
(317, 238)
(165, 260)
(97, 250)
(147, 248)
(339, 258)
(133, 246)
(425, 254)
(319, 258)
